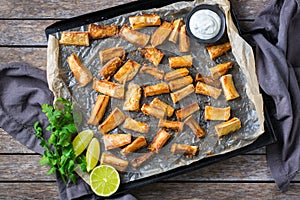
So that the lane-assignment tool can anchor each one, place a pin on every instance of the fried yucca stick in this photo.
(180, 83)
(108, 54)
(156, 73)
(173, 125)
(229, 89)
(213, 113)
(82, 75)
(220, 69)
(109, 88)
(134, 37)
(184, 40)
(208, 80)
(161, 34)
(178, 73)
(152, 54)
(227, 127)
(181, 61)
(132, 97)
(136, 162)
(176, 24)
(159, 140)
(113, 141)
(169, 110)
(137, 126)
(160, 88)
(110, 159)
(98, 110)
(218, 50)
(202, 88)
(187, 111)
(144, 20)
(127, 71)
(184, 149)
(101, 31)
(115, 118)
(153, 111)
(75, 38)
(194, 126)
(138, 143)
(182, 93)
(110, 68)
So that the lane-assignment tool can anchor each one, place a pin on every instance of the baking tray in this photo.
(268, 137)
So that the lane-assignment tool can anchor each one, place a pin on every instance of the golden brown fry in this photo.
(194, 126)
(176, 28)
(229, 89)
(178, 73)
(113, 141)
(227, 127)
(181, 61)
(134, 37)
(75, 38)
(109, 88)
(153, 111)
(218, 50)
(159, 140)
(184, 40)
(184, 149)
(152, 54)
(132, 97)
(220, 69)
(208, 80)
(213, 113)
(173, 125)
(101, 31)
(82, 75)
(136, 162)
(187, 111)
(161, 34)
(182, 93)
(160, 88)
(108, 54)
(115, 118)
(137, 126)
(127, 71)
(202, 88)
(110, 68)
(144, 20)
(116, 162)
(98, 110)
(138, 143)
(169, 110)
(180, 83)
(147, 69)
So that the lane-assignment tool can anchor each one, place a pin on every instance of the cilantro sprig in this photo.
(59, 153)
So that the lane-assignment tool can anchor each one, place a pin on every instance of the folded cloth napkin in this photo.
(276, 33)
(23, 90)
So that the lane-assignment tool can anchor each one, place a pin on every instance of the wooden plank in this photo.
(245, 9)
(240, 168)
(28, 191)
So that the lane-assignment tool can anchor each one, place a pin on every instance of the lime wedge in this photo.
(92, 154)
(81, 141)
(104, 180)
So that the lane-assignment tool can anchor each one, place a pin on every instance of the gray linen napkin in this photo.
(276, 32)
(23, 90)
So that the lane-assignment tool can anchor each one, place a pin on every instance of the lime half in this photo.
(92, 154)
(104, 180)
(81, 141)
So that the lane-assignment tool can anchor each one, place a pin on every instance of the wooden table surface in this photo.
(22, 25)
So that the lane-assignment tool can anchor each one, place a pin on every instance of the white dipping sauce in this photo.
(205, 24)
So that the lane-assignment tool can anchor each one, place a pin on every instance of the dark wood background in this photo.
(22, 25)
